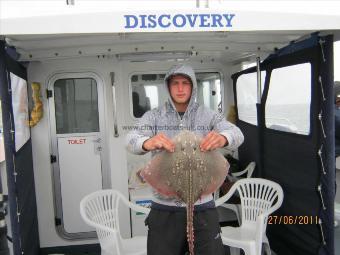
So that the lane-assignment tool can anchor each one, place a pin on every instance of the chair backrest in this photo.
(100, 210)
(258, 196)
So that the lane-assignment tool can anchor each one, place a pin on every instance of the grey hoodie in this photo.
(197, 118)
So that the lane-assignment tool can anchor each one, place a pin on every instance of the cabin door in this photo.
(77, 147)
(289, 132)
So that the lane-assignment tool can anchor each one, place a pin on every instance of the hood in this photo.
(187, 71)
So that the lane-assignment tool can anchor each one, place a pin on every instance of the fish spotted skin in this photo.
(187, 173)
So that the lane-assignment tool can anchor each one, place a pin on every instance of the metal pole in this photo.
(70, 2)
(259, 85)
(4, 250)
(197, 3)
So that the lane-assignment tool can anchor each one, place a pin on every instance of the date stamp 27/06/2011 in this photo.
(293, 219)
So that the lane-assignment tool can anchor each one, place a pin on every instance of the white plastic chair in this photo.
(233, 177)
(259, 198)
(100, 210)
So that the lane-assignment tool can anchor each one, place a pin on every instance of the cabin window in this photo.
(247, 96)
(289, 98)
(76, 106)
(148, 91)
(209, 90)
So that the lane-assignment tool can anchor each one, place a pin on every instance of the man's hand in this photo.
(212, 141)
(159, 141)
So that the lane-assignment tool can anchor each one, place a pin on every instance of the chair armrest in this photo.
(249, 170)
(135, 207)
(139, 208)
(228, 206)
(226, 197)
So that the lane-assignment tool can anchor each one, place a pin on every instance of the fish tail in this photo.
(190, 228)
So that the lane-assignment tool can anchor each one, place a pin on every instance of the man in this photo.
(167, 219)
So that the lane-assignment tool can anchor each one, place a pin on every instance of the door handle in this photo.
(115, 122)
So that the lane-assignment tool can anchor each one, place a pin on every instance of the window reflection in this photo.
(76, 106)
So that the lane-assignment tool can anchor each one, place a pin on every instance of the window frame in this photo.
(263, 81)
(310, 103)
(96, 88)
(77, 75)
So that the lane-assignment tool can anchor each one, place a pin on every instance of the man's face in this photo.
(180, 89)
